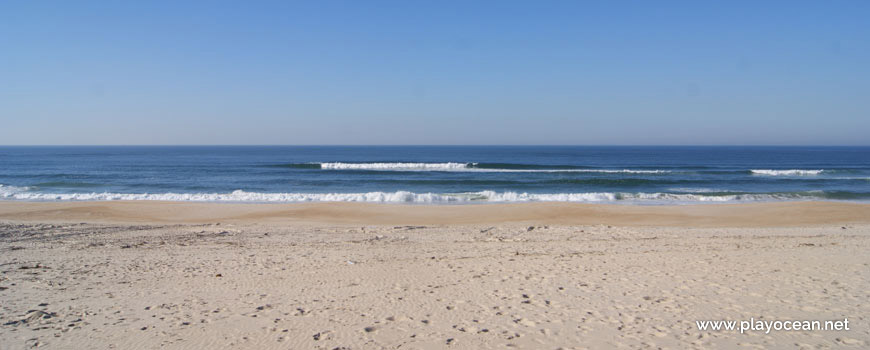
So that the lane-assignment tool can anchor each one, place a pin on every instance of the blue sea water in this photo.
(435, 174)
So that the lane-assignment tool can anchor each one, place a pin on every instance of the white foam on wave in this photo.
(696, 190)
(467, 167)
(6, 190)
(633, 197)
(790, 172)
(23, 193)
(395, 166)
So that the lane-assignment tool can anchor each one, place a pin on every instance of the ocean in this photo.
(435, 174)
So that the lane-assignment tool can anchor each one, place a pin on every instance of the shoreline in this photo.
(766, 214)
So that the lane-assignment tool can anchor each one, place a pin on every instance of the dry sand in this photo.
(147, 275)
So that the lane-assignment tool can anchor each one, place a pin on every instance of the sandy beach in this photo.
(147, 275)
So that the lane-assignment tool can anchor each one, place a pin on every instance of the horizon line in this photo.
(434, 145)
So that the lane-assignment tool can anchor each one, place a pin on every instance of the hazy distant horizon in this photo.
(437, 145)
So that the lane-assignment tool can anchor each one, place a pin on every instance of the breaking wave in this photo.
(24, 193)
(395, 166)
(453, 166)
(790, 172)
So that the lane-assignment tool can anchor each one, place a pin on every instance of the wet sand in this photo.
(704, 215)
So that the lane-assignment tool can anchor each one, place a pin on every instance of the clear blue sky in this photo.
(434, 72)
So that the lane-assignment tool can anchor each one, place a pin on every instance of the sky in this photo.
(435, 72)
